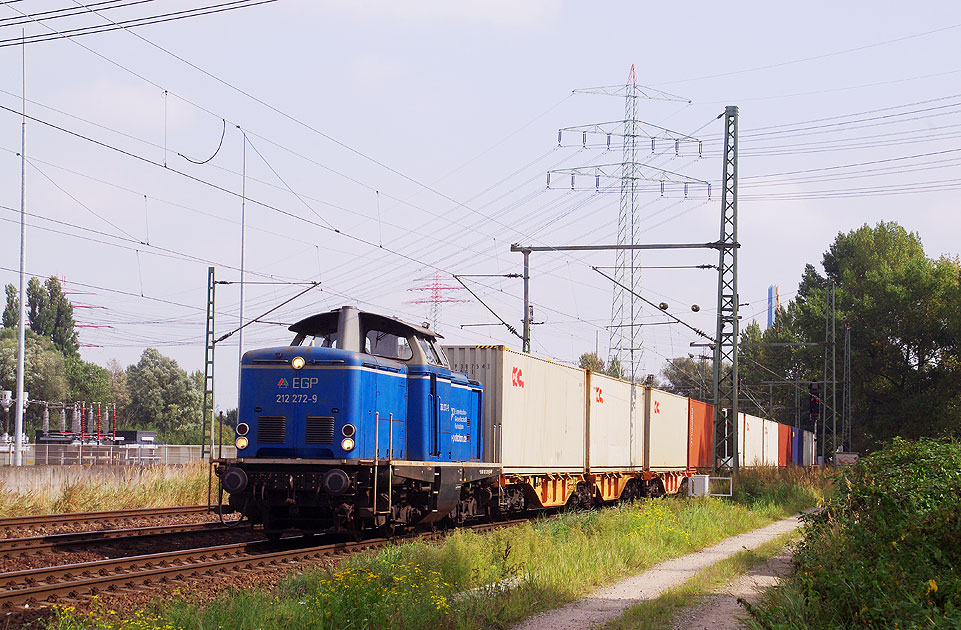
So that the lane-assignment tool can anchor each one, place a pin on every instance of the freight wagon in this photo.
(364, 421)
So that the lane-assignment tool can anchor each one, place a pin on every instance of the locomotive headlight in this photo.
(297, 363)
(241, 443)
(347, 444)
(242, 428)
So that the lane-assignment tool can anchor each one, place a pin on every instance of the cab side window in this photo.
(429, 352)
(388, 345)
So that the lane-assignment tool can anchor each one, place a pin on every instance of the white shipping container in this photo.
(770, 443)
(808, 452)
(752, 440)
(535, 411)
(616, 429)
(666, 416)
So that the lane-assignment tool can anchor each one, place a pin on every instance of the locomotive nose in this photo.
(234, 480)
(336, 481)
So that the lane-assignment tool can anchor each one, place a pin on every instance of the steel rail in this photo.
(87, 577)
(95, 517)
(19, 546)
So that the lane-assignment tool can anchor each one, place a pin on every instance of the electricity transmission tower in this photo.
(625, 345)
(436, 287)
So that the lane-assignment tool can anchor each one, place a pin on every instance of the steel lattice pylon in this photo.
(625, 343)
(725, 345)
(625, 308)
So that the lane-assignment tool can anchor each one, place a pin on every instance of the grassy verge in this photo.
(660, 612)
(139, 487)
(460, 583)
(885, 552)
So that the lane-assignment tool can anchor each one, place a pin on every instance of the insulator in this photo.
(572, 182)
(91, 423)
(584, 139)
(662, 189)
(700, 149)
(548, 180)
(46, 419)
(559, 134)
(677, 148)
(685, 191)
(63, 420)
(708, 191)
(653, 144)
(597, 182)
(608, 142)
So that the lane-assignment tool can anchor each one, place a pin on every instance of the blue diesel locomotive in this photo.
(358, 424)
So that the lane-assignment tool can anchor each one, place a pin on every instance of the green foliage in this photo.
(886, 549)
(615, 369)
(44, 372)
(164, 397)
(11, 310)
(472, 580)
(590, 361)
(906, 330)
(88, 381)
(686, 376)
(50, 314)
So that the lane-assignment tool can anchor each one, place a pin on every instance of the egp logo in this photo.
(283, 384)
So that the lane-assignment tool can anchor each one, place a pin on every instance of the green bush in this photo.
(885, 551)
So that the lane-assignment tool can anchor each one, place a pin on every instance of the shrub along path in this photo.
(611, 602)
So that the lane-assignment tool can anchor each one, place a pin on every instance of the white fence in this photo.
(94, 454)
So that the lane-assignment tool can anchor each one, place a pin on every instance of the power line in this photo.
(131, 23)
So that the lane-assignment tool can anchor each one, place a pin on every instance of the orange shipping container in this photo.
(700, 429)
(783, 445)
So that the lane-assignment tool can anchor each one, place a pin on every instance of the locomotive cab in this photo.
(356, 423)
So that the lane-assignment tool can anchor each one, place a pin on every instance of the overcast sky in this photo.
(389, 141)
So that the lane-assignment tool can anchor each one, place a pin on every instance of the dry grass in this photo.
(138, 487)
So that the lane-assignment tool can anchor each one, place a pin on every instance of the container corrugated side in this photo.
(615, 427)
(538, 407)
(700, 439)
(667, 418)
(783, 444)
(752, 440)
(809, 449)
(771, 438)
(483, 364)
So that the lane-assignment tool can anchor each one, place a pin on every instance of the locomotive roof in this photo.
(330, 319)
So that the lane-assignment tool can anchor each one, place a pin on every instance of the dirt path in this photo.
(610, 603)
(721, 611)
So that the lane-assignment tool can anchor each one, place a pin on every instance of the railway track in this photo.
(82, 518)
(33, 544)
(44, 586)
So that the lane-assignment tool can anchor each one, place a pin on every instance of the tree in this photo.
(615, 369)
(164, 397)
(49, 313)
(11, 312)
(590, 361)
(44, 371)
(117, 379)
(88, 381)
(686, 376)
(906, 330)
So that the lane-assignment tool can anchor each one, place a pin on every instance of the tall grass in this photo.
(137, 487)
(885, 552)
(486, 580)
